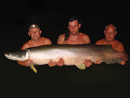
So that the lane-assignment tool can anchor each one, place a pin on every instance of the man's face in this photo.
(34, 33)
(110, 33)
(74, 27)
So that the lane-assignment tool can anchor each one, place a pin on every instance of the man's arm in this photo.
(61, 39)
(47, 41)
(120, 47)
(87, 39)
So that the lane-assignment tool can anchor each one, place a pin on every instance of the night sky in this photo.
(51, 16)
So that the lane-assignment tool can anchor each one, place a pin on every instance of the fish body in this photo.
(71, 54)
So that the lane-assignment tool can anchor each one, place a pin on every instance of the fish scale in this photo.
(71, 54)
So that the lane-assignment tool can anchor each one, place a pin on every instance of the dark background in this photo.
(51, 16)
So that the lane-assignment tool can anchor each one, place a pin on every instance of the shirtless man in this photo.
(110, 33)
(73, 37)
(36, 40)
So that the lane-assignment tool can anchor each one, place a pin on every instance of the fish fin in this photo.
(81, 66)
(33, 68)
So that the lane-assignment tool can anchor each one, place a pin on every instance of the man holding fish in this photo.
(36, 40)
(110, 32)
(75, 37)
(75, 46)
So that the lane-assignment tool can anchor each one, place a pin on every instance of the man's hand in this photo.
(59, 63)
(27, 63)
(51, 63)
(98, 62)
(122, 63)
(88, 62)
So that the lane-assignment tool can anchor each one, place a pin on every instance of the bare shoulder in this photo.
(46, 41)
(26, 45)
(100, 42)
(85, 37)
(119, 44)
(61, 39)
(62, 36)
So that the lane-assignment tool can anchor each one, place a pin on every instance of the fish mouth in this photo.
(7, 55)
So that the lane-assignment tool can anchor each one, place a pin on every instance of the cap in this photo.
(33, 26)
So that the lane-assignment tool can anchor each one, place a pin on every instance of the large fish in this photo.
(71, 54)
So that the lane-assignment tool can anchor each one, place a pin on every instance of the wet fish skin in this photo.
(71, 54)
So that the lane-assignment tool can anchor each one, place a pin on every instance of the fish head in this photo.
(18, 56)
